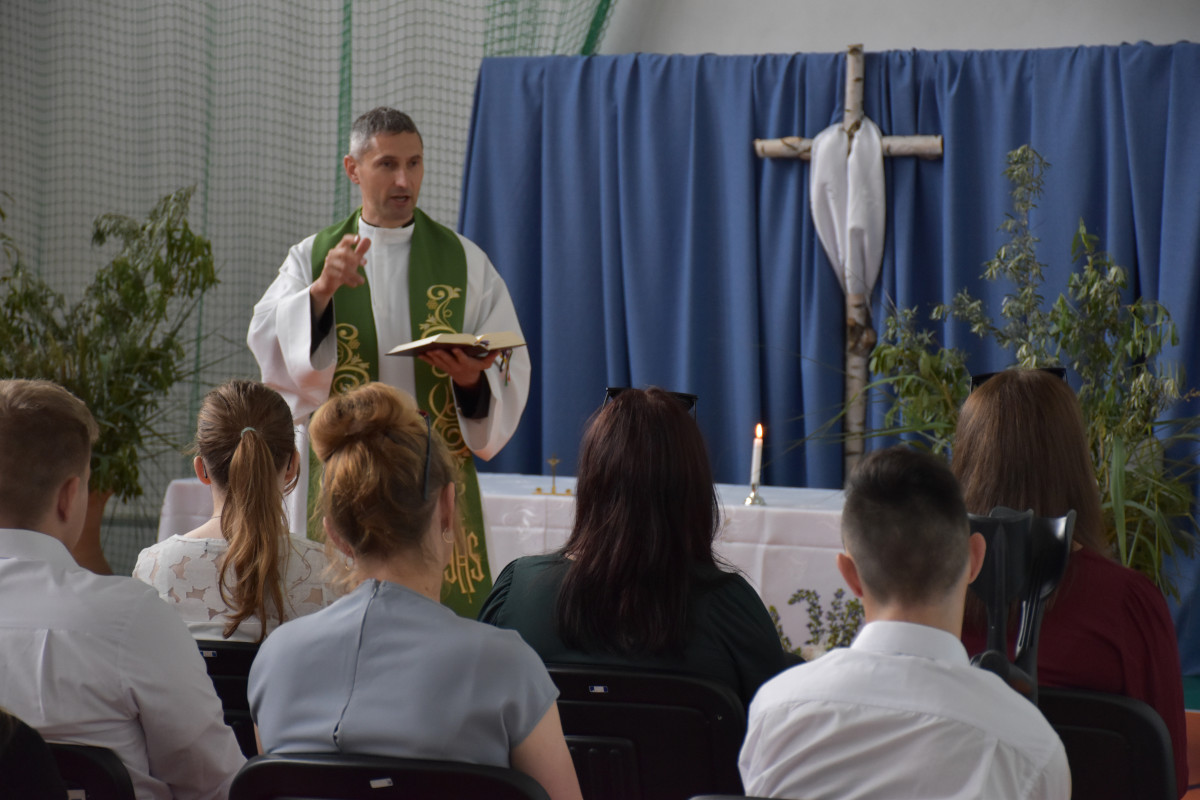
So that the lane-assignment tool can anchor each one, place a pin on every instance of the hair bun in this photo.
(372, 411)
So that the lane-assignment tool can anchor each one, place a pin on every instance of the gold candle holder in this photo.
(553, 461)
(754, 499)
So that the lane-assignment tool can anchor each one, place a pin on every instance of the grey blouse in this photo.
(387, 671)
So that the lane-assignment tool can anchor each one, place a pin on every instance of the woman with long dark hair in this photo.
(1021, 443)
(240, 574)
(637, 583)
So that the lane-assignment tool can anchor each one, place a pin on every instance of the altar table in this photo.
(788, 544)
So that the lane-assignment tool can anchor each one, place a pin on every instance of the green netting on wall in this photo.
(107, 105)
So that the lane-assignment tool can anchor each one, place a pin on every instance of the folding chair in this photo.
(637, 735)
(92, 773)
(341, 776)
(228, 665)
(1118, 747)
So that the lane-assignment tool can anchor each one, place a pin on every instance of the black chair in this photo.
(637, 735)
(1025, 560)
(228, 665)
(1118, 747)
(350, 777)
(94, 771)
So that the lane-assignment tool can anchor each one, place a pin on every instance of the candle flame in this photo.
(758, 431)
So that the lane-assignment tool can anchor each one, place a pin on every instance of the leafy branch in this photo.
(1144, 461)
(120, 347)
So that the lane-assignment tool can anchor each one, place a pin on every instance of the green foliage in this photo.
(827, 628)
(120, 347)
(1114, 347)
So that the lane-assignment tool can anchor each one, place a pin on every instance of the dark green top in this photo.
(732, 640)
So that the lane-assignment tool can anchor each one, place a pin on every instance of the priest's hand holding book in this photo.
(463, 356)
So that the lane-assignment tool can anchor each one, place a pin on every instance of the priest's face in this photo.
(389, 174)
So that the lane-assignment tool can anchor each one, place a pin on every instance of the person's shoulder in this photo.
(476, 257)
(307, 548)
(300, 253)
(1109, 578)
(118, 595)
(1003, 711)
(794, 683)
(727, 589)
(519, 572)
(499, 646)
(148, 558)
(1113, 570)
(338, 619)
(181, 544)
(536, 565)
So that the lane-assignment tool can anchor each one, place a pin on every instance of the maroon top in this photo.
(1108, 630)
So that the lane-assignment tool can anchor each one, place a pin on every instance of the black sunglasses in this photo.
(428, 451)
(688, 401)
(982, 378)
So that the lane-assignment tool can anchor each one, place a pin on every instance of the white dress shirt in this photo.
(101, 660)
(900, 714)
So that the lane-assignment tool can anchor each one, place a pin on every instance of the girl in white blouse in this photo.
(240, 574)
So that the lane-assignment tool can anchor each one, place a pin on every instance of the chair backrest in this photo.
(1118, 747)
(228, 665)
(1025, 560)
(352, 777)
(92, 773)
(638, 735)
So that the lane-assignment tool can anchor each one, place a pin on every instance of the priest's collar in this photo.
(399, 235)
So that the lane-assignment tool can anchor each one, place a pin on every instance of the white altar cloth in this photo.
(786, 545)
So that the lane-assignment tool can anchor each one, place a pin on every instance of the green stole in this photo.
(437, 282)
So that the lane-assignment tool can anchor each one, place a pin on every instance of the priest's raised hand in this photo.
(343, 267)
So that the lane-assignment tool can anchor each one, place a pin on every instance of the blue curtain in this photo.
(645, 243)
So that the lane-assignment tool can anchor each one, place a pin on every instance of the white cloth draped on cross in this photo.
(848, 204)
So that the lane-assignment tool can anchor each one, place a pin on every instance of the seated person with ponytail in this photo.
(387, 669)
(240, 574)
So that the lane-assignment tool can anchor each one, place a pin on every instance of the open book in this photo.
(478, 346)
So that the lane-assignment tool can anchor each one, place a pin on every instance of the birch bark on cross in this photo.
(850, 223)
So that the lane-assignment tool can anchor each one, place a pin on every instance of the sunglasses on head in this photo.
(982, 378)
(688, 401)
(428, 452)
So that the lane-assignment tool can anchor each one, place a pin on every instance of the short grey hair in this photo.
(377, 121)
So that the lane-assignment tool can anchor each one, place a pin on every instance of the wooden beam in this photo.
(928, 147)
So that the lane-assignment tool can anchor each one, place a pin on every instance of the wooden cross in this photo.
(860, 335)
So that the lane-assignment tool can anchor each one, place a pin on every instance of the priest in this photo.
(384, 276)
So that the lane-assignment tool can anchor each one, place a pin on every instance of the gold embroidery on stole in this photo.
(465, 569)
(351, 370)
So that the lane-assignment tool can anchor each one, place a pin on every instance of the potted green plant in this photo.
(1143, 460)
(120, 347)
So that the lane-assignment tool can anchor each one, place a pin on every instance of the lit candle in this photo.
(756, 457)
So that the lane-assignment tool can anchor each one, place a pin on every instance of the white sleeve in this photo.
(280, 337)
(188, 745)
(493, 313)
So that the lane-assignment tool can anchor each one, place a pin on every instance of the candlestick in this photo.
(755, 499)
(553, 461)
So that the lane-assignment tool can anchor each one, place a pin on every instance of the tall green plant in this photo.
(1113, 346)
(120, 346)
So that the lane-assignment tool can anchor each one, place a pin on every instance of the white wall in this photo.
(816, 26)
